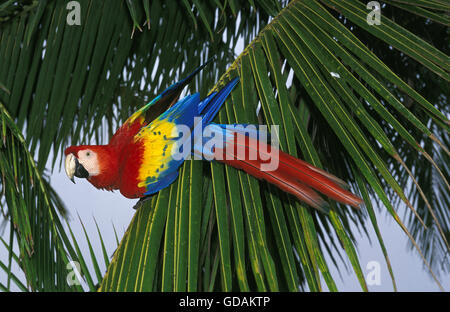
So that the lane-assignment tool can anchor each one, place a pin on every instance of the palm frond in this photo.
(97, 69)
(367, 103)
(302, 39)
(31, 208)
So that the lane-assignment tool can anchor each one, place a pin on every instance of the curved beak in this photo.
(74, 168)
(70, 166)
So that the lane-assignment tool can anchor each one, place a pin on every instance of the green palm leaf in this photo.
(31, 211)
(315, 68)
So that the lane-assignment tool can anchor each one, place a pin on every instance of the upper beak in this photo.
(74, 168)
(70, 166)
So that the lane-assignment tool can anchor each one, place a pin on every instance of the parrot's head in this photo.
(82, 162)
(96, 163)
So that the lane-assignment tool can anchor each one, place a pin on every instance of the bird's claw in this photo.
(141, 202)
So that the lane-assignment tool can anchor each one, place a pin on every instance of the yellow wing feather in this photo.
(157, 141)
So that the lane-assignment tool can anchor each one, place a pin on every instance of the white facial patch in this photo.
(88, 159)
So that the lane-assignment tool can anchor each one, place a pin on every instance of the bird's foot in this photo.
(141, 202)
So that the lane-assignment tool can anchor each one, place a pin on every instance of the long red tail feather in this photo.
(292, 175)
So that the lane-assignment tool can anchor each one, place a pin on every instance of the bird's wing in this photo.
(159, 140)
(151, 111)
(167, 140)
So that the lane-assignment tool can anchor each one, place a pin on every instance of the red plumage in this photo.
(291, 175)
(119, 161)
(121, 165)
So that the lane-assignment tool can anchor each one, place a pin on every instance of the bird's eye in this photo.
(88, 154)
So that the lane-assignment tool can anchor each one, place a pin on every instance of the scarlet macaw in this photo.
(138, 159)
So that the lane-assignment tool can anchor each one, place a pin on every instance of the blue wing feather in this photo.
(182, 113)
(182, 83)
(212, 104)
(156, 185)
